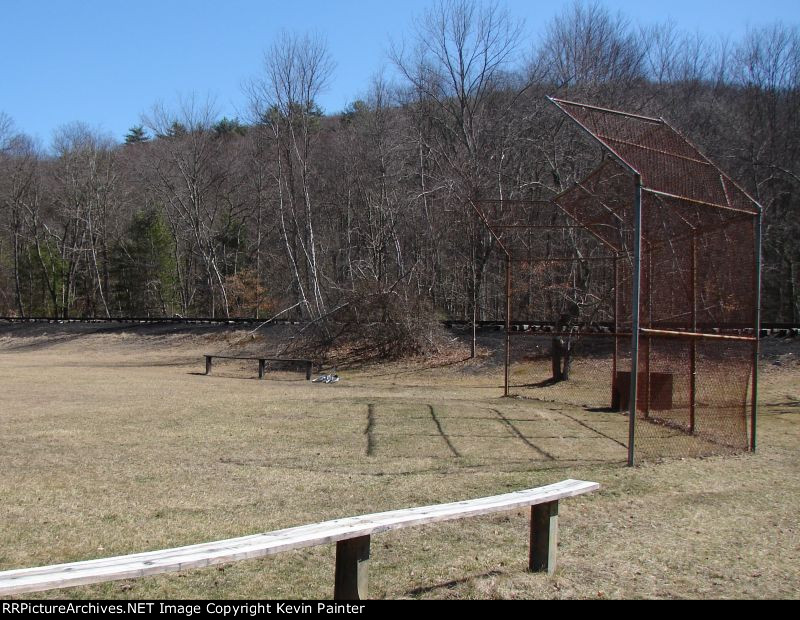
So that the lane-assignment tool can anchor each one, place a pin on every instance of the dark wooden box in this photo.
(660, 391)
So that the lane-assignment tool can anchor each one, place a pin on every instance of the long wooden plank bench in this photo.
(351, 535)
(308, 364)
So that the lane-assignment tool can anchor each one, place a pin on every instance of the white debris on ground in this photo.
(326, 379)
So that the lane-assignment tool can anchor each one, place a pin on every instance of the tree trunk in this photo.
(555, 358)
(17, 284)
(567, 361)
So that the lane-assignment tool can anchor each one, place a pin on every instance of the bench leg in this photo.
(544, 537)
(208, 364)
(352, 562)
(261, 368)
(308, 371)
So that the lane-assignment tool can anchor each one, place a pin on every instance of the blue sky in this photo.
(105, 62)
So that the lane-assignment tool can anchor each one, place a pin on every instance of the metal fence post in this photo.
(756, 328)
(636, 285)
(508, 324)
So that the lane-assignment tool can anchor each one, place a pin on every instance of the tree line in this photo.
(366, 214)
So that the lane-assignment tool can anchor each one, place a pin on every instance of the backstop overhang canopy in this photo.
(688, 191)
(684, 240)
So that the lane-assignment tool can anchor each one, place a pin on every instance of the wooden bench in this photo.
(308, 364)
(351, 535)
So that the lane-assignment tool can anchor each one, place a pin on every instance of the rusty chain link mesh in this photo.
(571, 267)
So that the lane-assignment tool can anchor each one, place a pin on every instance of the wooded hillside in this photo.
(368, 210)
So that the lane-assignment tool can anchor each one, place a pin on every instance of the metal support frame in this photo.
(636, 285)
(508, 324)
(693, 343)
(643, 332)
(614, 361)
(669, 333)
(756, 328)
(648, 342)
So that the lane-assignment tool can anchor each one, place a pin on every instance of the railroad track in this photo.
(781, 330)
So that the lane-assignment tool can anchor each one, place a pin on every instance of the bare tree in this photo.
(458, 69)
(6, 131)
(767, 68)
(462, 55)
(305, 211)
(19, 158)
(588, 48)
(190, 175)
(284, 99)
(84, 176)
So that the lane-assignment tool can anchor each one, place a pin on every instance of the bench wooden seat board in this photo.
(259, 545)
(308, 364)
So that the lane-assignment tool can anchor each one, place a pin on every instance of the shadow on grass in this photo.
(794, 404)
(61, 333)
(62, 336)
(539, 384)
(453, 583)
(522, 437)
(542, 384)
(222, 375)
(364, 365)
(443, 435)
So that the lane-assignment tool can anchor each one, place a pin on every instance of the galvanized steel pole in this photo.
(635, 301)
(693, 343)
(757, 329)
(508, 324)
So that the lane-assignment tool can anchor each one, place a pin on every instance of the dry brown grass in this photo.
(114, 443)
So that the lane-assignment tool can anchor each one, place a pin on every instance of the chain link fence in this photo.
(578, 261)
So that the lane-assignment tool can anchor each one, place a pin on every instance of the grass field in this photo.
(113, 442)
